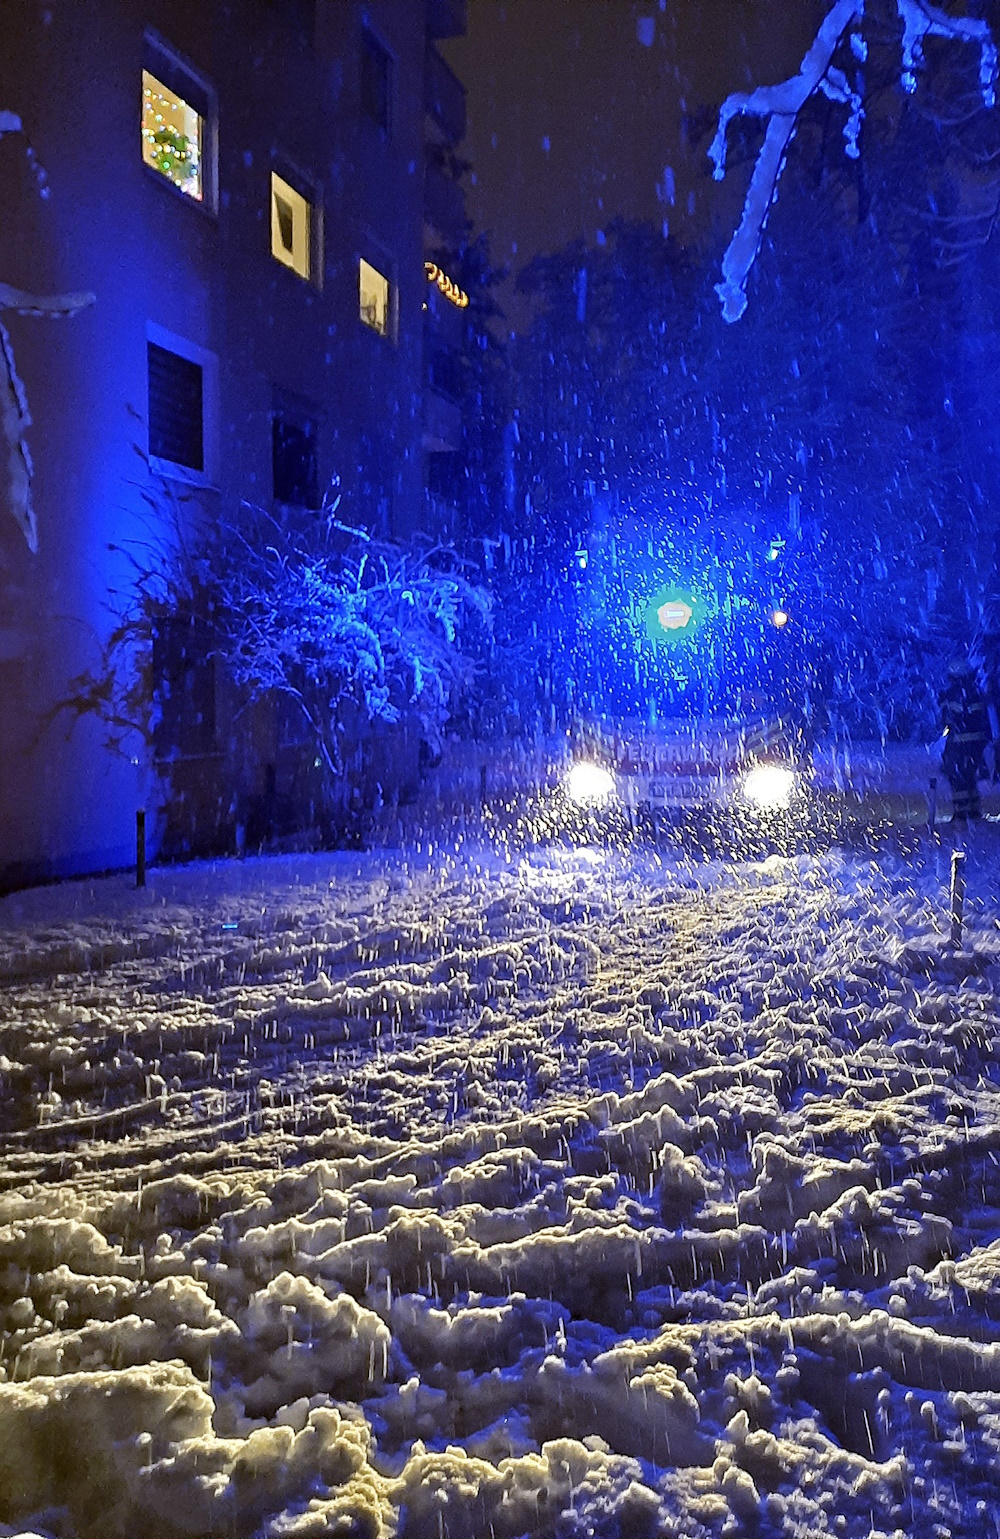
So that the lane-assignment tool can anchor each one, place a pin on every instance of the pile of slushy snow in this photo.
(456, 1196)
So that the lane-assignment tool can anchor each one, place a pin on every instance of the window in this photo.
(294, 457)
(172, 134)
(176, 408)
(291, 227)
(183, 420)
(178, 124)
(376, 299)
(376, 81)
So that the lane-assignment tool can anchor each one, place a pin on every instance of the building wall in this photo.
(151, 255)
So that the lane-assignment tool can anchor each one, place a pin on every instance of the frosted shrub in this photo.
(336, 628)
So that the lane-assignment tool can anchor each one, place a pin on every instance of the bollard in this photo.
(957, 897)
(932, 804)
(140, 847)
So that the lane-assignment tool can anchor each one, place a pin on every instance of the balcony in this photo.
(444, 207)
(446, 18)
(442, 423)
(444, 98)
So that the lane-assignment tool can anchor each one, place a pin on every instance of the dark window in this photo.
(376, 81)
(176, 408)
(184, 685)
(294, 459)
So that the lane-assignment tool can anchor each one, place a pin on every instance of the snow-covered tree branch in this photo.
(15, 419)
(341, 627)
(781, 105)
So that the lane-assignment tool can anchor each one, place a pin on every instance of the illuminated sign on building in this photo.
(445, 285)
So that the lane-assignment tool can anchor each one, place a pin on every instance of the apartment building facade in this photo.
(253, 192)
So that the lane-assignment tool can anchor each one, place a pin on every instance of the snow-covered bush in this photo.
(343, 628)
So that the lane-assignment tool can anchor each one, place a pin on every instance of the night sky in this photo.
(575, 110)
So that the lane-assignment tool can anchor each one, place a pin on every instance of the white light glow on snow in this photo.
(769, 786)
(590, 785)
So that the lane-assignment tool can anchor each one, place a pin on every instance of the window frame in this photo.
(208, 362)
(311, 192)
(386, 270)
(174, 71)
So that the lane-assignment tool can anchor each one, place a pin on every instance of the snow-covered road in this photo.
(463, 1194)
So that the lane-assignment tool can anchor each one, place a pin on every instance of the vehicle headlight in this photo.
(769, 786)
(589, 785)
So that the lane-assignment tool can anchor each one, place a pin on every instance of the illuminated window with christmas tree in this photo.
(172, 136)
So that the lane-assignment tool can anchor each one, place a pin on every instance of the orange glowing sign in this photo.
(445, 285)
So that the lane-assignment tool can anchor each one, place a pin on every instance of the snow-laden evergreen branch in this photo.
(782, 103)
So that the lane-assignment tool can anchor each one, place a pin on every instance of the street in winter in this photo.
(574, 1191)
(499, 769)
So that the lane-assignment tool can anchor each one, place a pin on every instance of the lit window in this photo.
(376, 297)
(291, 227)
(376, 82)
(172, 136)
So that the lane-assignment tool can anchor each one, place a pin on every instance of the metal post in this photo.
(932, 804)
(957, 897)
(140, 847)
(483, 797)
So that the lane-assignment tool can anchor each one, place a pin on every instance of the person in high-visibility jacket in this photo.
(967, 733)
